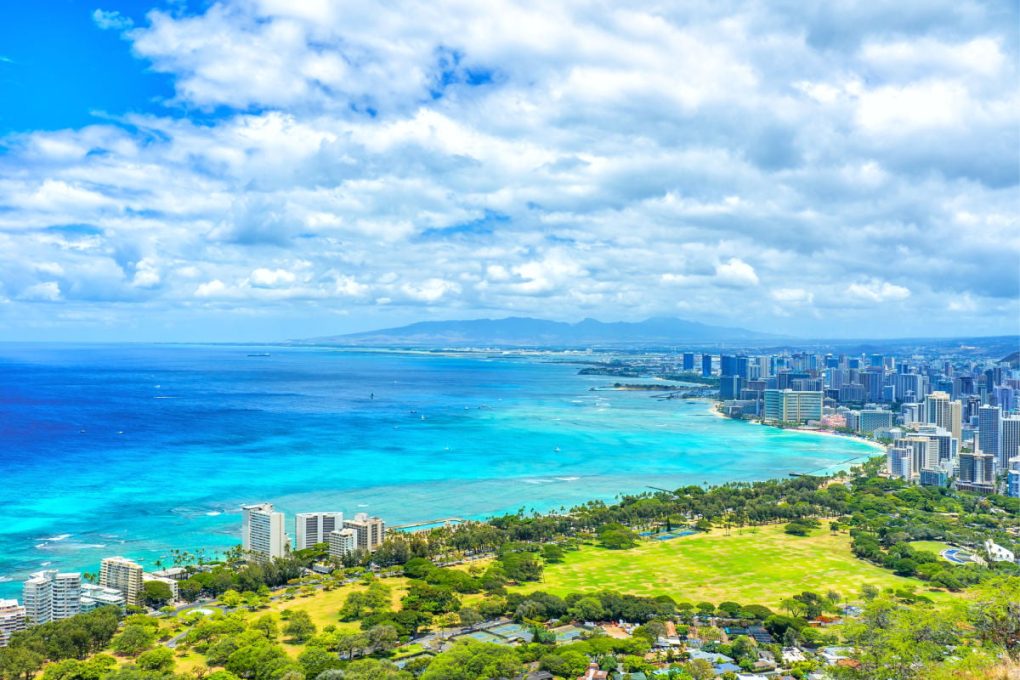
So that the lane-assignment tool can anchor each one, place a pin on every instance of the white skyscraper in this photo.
(51, 596)
(262, 531)
(315, 527)
(12, 619)
(1010, 443)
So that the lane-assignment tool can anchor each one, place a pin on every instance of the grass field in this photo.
(760, 566)
(935, 547)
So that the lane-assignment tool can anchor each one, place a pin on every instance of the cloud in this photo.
(48, 291)
(717, 160)
(270, 278)
(737, 273)
(111, 20)
(877, 291)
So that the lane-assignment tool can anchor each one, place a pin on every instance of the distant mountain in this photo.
(528, 332)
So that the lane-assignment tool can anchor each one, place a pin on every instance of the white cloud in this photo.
(111, 20)
(736, 272)
(877, 291)
(269, 278)
(523, 158)
(429, 290)
(48, 291)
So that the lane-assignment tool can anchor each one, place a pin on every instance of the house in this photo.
(832, 655)
(996, 553)
(793, 655)
(594, 673)
(711, 657)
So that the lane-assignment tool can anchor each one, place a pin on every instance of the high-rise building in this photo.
(940, 410)
(262, 532)
(1009, 445)
(789, 406)
(946, 445)
(977, 469)
(1013, 483)
(124, 575)
(51, 596)
(370, 531)
(900, 462)
(990, 431)
(314, 527)
(873, 419)
(12, 619)
(729, 387)
(342, 542)
(688, 361)
(706, 365)
(924, 452)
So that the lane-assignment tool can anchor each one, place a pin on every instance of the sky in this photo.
(270, 169)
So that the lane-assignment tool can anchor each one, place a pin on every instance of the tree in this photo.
(471, 660)
(588, 609)
(19, 663)
(316, 660)
(469, 617)
(159, 659)
(300, 627)
(995, 613)
(700, 669)
(156, 593)
(266, 624)
(615, 536)
(381, 638)
(133, 640)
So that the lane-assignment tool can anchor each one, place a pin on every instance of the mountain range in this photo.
(530, 332)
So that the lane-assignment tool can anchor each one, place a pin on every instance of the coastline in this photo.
(879, 448)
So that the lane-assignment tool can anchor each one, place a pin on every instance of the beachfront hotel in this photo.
(370, 531)
(262, 531)
(12, 619)
(124, 575)
(792, 406)
(312, 528)
(342, 542)
(51, 596)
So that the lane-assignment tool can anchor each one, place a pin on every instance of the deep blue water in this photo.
(136, 449)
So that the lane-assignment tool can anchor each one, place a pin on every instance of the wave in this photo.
(69, 547)
(568, 479)
(213, 513)
(5, 579)
(60, 537)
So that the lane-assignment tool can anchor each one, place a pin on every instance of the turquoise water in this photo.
(136, 449)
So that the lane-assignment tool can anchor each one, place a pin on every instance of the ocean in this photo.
(136, 449)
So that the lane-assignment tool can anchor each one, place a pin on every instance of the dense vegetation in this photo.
(901, 633)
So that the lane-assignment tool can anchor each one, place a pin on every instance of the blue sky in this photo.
(266, 169)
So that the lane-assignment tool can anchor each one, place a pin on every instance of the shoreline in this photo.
(878, 447)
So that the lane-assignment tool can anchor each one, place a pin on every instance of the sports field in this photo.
(751, 566)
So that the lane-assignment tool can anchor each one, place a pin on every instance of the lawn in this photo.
(751, 566)
(935, 547)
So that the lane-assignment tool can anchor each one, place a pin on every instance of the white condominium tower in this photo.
(51, 596)
(12, 619)
(940, 410)
(370, 531)
(315, 527)
(124, 575)
(262, 532)
(342, 542)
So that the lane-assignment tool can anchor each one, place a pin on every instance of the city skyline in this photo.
(249, 171)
